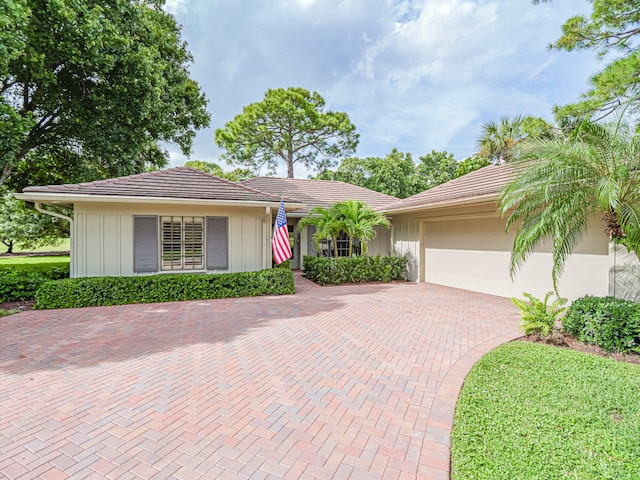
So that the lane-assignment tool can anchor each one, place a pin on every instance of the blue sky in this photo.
(414, 75)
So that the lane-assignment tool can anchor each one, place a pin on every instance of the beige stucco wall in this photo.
(466, 247)
(624, 273)
(103, 236)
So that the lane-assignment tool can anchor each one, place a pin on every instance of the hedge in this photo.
(21, 281)
(105, 291)
(611, 323)
(337, 271)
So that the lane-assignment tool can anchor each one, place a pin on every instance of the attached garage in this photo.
(453, 236)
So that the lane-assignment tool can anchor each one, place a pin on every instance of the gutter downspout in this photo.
(68, 219)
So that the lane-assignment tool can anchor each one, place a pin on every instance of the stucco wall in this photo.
(474, 254)
(103, 236)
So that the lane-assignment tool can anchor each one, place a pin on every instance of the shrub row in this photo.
(104, 291)
(21, 281)
(611, 323)
(337, 271)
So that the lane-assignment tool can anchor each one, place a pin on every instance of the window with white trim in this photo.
(182, 243)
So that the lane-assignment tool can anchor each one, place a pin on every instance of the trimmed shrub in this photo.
(105, 291)
(21, 281)
(336, 271)
(611, 323)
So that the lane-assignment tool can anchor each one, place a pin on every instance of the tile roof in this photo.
(179, 182)
(485, 181)
(318, 192)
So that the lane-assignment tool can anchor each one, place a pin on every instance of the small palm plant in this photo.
(538, 317)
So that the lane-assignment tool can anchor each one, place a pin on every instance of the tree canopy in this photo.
(291, 126)
(498, 140)
(611, 30)
(234, 175)
(396, 174)
(562, 182)
(99, 84)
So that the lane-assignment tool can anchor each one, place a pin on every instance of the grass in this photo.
(63, 247)
(9, 261)
(534, 411)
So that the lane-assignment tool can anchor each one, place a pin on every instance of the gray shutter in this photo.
(145, 244)
(217, 243)
(311, 243)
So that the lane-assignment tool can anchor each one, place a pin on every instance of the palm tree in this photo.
(560, 183)
(359, 221)
(353, 217)
(498, 141)
(326, 223)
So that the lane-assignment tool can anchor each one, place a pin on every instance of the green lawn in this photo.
(61, 259)
(532, 411)
(63, 247)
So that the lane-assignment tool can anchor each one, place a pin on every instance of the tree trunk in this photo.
(290, 164)
(612, 226)
(6, 171)
(350, 246)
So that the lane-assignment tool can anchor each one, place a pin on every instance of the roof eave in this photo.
(443, 204)
(65, 198)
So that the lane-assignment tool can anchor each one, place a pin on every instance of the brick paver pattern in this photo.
(334, 382)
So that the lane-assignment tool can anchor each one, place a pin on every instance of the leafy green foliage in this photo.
(6, 313)
(93, 84)
(288, 125)
(537, 316)
(234, 175)
(532, 411)
(470, 164)
(611, 323)
(337, 271)
(560, 183)
(611, 30)
(353, 217)
(498, 142)
(21, 281)
(21, 225)
(396, 174)
(105, 291)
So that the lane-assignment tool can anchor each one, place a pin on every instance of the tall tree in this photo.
(102, 81)
(562, 182)
(21, 225)
(291, 126)
(612, 29)
(434, 169)
(498, 140)
(470, 164)
(396, 174)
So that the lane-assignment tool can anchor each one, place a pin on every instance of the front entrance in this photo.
(294, 261)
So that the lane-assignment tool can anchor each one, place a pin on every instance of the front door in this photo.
(294, 262)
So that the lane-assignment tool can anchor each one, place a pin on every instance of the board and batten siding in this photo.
(624, 273)
(104, 236)
(406, 241)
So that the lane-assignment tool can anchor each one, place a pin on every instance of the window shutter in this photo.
(217, 243)
(311, 243)
(145, 244)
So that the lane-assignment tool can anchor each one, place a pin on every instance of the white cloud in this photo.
(416, 75)
(175, 6)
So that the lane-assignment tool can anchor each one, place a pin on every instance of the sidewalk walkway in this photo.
(332, 382)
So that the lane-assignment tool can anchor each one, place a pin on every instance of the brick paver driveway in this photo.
(335, 382)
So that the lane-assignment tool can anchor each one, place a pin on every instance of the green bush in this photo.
(337, 271)
(21, 281)
(611, 323)
(537, 316)
(104, 291)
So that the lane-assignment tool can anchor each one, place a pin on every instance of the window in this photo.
(182, 243)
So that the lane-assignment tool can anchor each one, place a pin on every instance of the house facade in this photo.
(453, 235)
(175, 220)
(184, 220)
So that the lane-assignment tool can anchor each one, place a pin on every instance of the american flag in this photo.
(280, 243)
